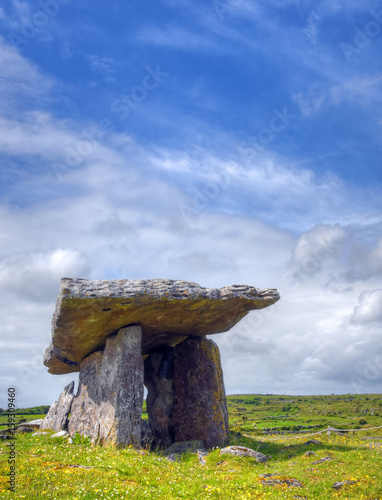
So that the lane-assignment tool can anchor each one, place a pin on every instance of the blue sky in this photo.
(216, 142)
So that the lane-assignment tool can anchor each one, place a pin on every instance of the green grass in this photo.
(18, 417)
(44, 464)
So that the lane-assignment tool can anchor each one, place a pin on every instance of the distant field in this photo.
(332, 466)
(253, 414)
(25, 413)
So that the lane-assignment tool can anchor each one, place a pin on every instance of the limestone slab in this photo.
(168, 311)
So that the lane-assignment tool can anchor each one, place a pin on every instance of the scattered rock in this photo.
(59, 434)
(309, 454)
(270, 474)
(242, 451)
(174, 457)
(201, 456)
(23, 428)
(312, 441)
(80, 466)
(57, 416)
(337, 485)
(325, 459)
(39, 433)
(283, 481)
(35, 424)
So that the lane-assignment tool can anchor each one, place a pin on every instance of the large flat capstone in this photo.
(168, 311)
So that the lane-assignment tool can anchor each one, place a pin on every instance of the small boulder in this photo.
(338, 484)
(59, 434)
(34, 424)
(24, 428)
(242, 451)
(309, 454)
(325, 459)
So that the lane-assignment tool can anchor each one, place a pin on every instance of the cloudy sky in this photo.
(220, 142)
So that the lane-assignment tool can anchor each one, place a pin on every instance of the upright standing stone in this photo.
(108, 405)
(159, 380)
(57, 416)
(200, 406)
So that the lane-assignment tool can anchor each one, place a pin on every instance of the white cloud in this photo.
(36, 276)
(20, 82)
(370, 308)
(316, 247)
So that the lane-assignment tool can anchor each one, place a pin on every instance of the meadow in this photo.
(301, 463)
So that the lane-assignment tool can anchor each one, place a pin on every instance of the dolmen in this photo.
(122, 335)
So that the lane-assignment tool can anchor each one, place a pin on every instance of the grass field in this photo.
(55, 469)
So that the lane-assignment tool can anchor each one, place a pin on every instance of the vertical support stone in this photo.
(108, 405)
(57, 416)
(200, 406)
(159, 380)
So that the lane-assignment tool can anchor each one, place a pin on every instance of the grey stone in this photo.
(312, 441)
(325, 459)
(242, 451)
(200, 406)
(147, 435)
(310, 454)
(60, 434)
(185, 447)
(25, 429)
(338, 484)
(35, 424)
(108, 405)
(159, 380)
(39, 433)
(289, 482)
(57, 416)
(89, 311)
(173, 457)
